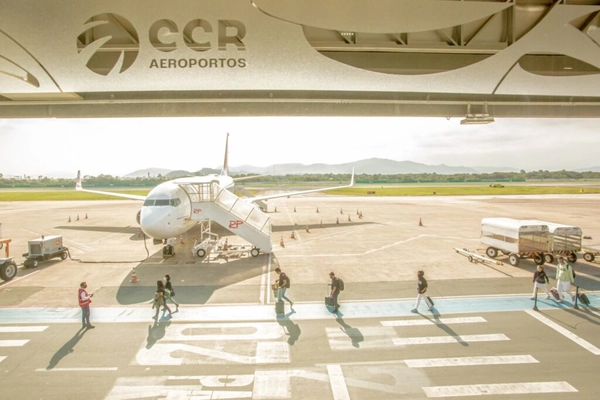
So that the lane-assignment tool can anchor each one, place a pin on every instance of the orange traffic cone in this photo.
(292, 236)
(134, 278)
(307, 230)
(420, 222)
(139, 233)
(349, 219)
(281, 242)
(181, 239)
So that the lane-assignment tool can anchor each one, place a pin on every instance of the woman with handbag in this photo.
(160, 299)
(170, 292)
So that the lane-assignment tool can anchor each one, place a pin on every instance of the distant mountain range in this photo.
(368, 166)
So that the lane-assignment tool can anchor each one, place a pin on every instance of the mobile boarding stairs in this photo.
(211, 202)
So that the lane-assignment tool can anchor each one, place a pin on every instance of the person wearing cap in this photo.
(421, 292)
(335, 291)
(564, 279)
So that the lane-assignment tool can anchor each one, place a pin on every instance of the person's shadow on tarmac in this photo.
(66, 349)
(353, 333)
(156, 332)
(290, 328)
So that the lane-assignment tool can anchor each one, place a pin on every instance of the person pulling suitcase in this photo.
(421, 292)
(282, 283)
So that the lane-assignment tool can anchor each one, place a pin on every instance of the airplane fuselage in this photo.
(166, 212)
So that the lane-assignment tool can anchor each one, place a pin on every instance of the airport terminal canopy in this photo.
(484, 58)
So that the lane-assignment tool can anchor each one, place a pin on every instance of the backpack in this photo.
(341, 284)
(286, 280)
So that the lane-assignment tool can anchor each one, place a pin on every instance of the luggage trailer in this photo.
(565, 240)
(515, 238)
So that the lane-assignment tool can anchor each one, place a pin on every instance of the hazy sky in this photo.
(120, 146)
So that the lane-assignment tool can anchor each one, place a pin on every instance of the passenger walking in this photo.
(159, 299)
(85, 300)
(564, 278)
(170, 292)
(283, 283)
(336, 287)
(421, 292)
(540, 280)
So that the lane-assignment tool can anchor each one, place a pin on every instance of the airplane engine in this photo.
(138, 217)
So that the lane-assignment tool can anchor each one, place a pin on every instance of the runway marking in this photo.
(5, 284)
(367, 252)
(2, 358)
(13, 343)
(464, 361)
(19, 329)
(437, 321)
(370, 337)
(499, 389)
(77, 369)
(338, 383)
(450, 339)
(566, 333)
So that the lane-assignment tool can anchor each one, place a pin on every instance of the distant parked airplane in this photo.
(174, 207)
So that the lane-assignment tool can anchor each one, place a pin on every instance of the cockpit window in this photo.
(162, 202)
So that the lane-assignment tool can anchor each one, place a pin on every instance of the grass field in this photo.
(359, 190)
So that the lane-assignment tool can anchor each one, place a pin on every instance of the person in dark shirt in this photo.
(421, 292)
(335, 291)
(540, 281)
(283, 284)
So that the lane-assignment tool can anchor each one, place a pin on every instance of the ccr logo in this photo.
(109, 43)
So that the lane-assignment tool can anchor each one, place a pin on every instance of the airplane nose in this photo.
(154, 222)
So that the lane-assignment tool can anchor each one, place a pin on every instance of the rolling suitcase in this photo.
(328, 300)
(554, 293)
(584, 299)
(280, 307)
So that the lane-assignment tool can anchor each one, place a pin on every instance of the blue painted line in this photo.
(304, 311)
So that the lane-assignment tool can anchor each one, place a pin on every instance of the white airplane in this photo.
(167, 210)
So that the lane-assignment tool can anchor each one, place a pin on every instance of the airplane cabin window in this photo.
(149, 202)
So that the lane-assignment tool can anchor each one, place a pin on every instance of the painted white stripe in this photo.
(12, 343)
(2, 358)
(566, 333)
(77, 369)
(338, 383)
(367, 331)
(450, 339)
(19, 329)
(439, 321)
(498, 389)
(462, 361)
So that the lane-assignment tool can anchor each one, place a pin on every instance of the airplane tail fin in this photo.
(78, 184)
(225, 170)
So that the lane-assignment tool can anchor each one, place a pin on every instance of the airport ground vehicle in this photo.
(43, 249)
(590, 253)
(220, 248)
(8, 266)
(565, 240)
(516, 239)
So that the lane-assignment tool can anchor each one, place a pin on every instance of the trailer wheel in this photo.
(514, 259)
(539, 259)
(8, 271)
(588, 257)
(34, 263)
(63, 255)
(549, 258)
(491, 252)
(201, 253)
(254, 252)
(470, 258)
(572, 257)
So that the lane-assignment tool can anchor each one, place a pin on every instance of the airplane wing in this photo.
(79, 188)
(286, 194)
